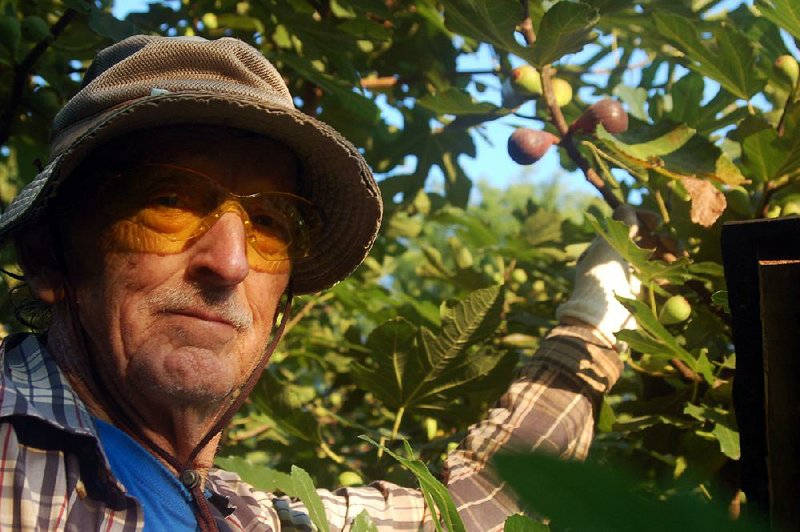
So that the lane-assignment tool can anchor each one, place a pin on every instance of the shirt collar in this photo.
(32, 384)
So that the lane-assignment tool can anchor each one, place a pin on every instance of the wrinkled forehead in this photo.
(240, 160)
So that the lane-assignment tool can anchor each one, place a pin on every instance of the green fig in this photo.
(563, 91)
(34, 29)
(350, 478)
(787, 66)
(676, 309)
(9, 33)
(790, 208)
(738, 200)
(527, 80)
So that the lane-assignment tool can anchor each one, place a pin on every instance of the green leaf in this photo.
(398, 364)
(648, 142)
(672, 151)
(260, 477)
(470, 229)
(783, 13)
(472, 321)
(491, 21)
(564, 29)
(411, 370)
(653, 329)
(455, 102)
(608, 496)
(728, 59)
(635, 97)
(721, 298)
(728, 439)
(436, 495)
(521, 523)
(363, 523)
(107, 25)
(307, 493)
(542, 226)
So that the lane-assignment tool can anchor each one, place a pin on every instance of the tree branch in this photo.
(22, 72)
(526, 26)
(568, 143)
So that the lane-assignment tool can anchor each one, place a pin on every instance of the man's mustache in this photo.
(220, 303)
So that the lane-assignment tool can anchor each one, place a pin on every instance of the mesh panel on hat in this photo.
(128, 71)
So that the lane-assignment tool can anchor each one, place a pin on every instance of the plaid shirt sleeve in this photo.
(549, 407)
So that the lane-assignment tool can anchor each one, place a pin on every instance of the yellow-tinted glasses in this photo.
(158, 208)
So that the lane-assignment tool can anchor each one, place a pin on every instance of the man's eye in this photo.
(270, 223)
(167, 200)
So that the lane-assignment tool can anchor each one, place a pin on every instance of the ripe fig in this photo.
(608, 112)
(675, 310)
(787, 66)
(563, 91)
(527, 80)
(526, 146)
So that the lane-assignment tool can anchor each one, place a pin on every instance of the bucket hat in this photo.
(150, 81)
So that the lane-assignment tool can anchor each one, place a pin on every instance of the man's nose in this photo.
(220, 255)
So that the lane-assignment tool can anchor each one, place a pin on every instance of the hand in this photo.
(600, 276)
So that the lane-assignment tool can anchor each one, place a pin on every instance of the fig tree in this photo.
(675, 310)
(526, 146)
(607, 112)
(787, 66)
(527, 80)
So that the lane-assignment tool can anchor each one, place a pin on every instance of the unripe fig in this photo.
(519, 275)
(563, 91)
(46, 101)
(34, 29)
(9, 33)
(790, 208)
(527, 80)
(608, 112)
(787, 66)
(675, 310)
(526, 146)
(350, 478)
(738, 200)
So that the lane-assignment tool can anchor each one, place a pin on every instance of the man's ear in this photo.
(36, 256)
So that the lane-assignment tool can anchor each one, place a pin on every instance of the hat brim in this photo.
(335, 178)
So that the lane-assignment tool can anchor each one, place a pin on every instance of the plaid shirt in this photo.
(54, 474)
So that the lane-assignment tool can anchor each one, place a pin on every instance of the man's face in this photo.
(180, 328)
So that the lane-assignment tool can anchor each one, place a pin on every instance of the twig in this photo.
(685, 371)
(526, 26)
(22, 72)
(568, 143)
(296, 317)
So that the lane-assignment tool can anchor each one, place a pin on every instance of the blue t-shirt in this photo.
(167, 504)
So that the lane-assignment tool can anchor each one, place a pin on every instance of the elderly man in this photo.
(186, 200)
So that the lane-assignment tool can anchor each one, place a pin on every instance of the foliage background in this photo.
(714, 136)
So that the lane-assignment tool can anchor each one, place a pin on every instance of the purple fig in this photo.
(526, 146)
